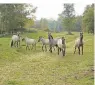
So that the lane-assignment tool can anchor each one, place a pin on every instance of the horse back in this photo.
(77, 42)
(15, 38)
(59, 43)
(46, 41)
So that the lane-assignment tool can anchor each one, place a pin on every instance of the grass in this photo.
(21, 67)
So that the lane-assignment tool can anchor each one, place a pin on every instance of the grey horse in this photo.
(79, 43)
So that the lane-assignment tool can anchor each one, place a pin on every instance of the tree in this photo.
(44, 23)
(59, 24)
(88, 19)
(52, 24)
(14, 16)
(37, 24)
(68, 16)
(78, 24)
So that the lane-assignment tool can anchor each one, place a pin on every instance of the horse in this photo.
(15, 40)
(52, 42)
(29, 42)
(79, 43)
(45, 42)
(61, 44)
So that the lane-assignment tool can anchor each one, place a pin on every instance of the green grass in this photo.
(21, 67)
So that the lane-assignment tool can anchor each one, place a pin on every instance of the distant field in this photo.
(21, 67)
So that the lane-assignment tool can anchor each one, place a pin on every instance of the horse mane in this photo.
(63, 40)
(50, 37)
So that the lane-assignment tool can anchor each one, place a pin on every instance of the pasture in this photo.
(19, 66)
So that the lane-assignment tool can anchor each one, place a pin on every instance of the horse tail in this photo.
(11, 43)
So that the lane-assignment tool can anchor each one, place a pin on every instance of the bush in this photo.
(46, 29)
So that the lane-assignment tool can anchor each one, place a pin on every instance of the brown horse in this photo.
(79, 43)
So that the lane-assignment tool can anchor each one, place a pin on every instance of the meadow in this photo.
(19, 66)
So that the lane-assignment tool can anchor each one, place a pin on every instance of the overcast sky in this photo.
(51, 8)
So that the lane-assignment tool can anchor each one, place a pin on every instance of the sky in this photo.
(51, 8)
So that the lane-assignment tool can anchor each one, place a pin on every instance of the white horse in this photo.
(79, 43)
(29, 42)
(61, 45)
(45, 42)
(15, 40)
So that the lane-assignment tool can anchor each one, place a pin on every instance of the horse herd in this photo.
(59, 43)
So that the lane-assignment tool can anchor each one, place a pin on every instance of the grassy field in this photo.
(21, 67)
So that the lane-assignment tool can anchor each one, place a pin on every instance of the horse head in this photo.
(50, 36)
(63, 40)
(40, 37)
(81, 35)
(23, 39)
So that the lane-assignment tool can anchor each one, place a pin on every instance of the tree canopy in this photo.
(88, 19)
(68, 15)
(13, 17)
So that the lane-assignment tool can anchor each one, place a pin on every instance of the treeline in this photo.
(68, 21)
(48, 25)
(14, 17)
(57, 25)
(88, 19)
(17, 17)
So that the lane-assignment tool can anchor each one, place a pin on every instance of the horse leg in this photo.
(51, 49)
(45, 48)
(26, 47)
(14, 44)
(63, 52)
(82, 49)
(58, 50)
(75, 50)
(42, 48)
(32, 47)
(17, 44)
(35, 46)
(79, 49)
(54, 48)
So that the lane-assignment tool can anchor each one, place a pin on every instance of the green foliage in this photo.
(48, 25)
(29, 23)
(44, 23)
(88, 19)
(68, 17)
(52, 24)
(14, 16)
(77, 24)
